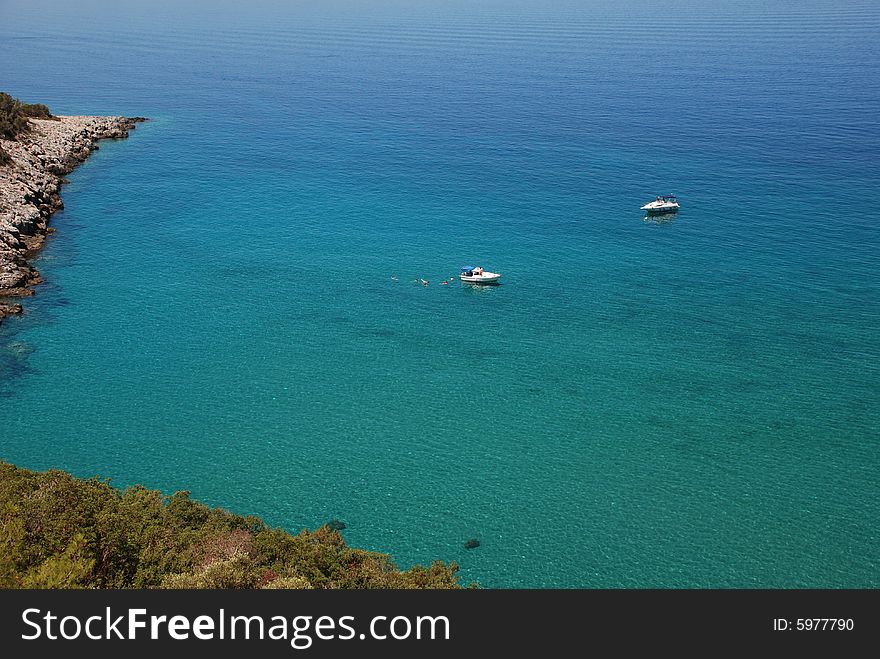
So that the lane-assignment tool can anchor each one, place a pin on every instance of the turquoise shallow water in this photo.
(685, 404)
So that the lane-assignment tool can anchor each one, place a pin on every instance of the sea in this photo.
(233, 303)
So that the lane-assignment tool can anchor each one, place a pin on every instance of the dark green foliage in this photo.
(12, 120)
(14, 117)
(4, 157)
(57, 531)
(36, 110)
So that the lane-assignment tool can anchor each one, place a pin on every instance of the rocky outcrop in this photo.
(30, 185)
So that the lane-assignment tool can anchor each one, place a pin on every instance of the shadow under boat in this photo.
(660, 218)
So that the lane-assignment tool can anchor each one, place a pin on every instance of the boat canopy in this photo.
(468, 268)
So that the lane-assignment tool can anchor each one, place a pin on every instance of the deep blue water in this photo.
(683, 404)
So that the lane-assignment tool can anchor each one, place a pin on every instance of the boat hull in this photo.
(485, 278)
(660, 210)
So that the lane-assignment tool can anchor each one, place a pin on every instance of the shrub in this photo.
(237, 571)
(12, 120)
(57, 531)
(36, 110)
(289, 583)
(14, 116)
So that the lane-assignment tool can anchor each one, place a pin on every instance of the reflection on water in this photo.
(480, 288)
(660, 218)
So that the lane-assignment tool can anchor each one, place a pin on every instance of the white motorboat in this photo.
(476, 275)
(663, 204)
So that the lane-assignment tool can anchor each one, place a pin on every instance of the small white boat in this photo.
(666, 203)
(476, 275)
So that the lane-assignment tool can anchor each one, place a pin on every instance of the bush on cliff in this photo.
(36, 110)
(14, 115)
(13, 121)
(57, 531)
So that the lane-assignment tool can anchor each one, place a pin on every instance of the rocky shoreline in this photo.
(30, 188)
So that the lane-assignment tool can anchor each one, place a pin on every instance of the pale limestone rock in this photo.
(30, 186)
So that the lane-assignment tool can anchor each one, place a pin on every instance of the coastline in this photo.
(30, 191)
(68, 532)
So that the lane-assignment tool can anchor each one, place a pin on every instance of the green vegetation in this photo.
(36, 110)
(14, 115)
(57, 531)
(14, 119)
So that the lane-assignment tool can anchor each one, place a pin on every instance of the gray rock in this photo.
(30, 184)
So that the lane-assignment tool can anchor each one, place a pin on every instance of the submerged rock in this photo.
(336, 525)
(19, 349)
(9, 310)
(473, 543)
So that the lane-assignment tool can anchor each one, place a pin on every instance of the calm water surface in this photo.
(230, 306)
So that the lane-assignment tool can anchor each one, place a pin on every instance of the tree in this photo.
(70, 569)
(57, 531)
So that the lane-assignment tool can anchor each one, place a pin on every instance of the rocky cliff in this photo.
(30, 184)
